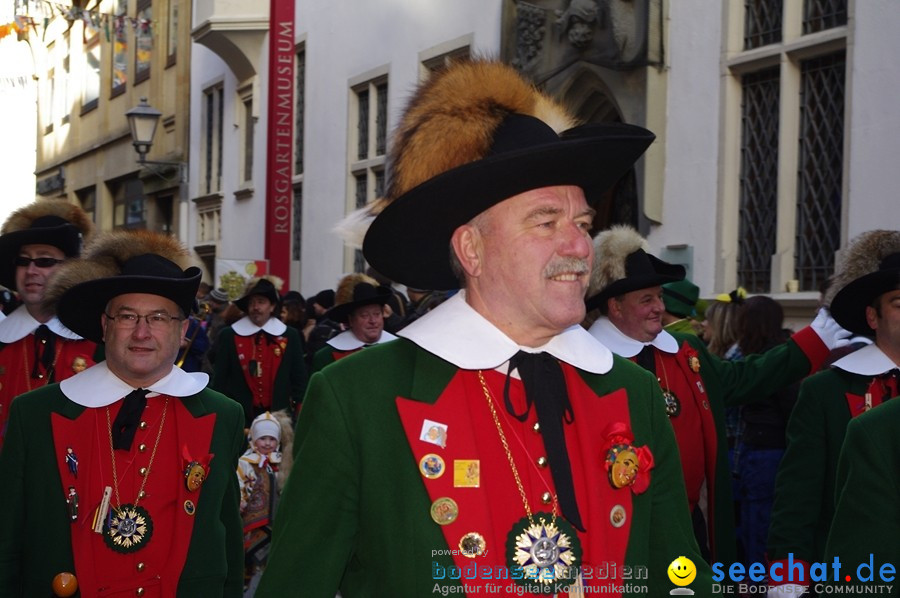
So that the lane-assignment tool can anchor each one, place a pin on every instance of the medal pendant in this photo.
(673, 405)
(129, 529)
(547, 551)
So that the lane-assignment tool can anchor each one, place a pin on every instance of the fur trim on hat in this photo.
(276, 281)
(863, 256)
(22, 218)
(450, 121)
(105, 256)
(344, 292)
(611, 247)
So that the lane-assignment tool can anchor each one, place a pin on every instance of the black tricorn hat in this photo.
(48, 222)
(263, 287)
(849, 305)
(363, 294)
(621, 265)
(119, 263)
(473, 136)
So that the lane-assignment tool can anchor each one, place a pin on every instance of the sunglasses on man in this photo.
(40, 262)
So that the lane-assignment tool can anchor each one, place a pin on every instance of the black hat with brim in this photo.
(642, 271)
(80, 307)
(264, 288)
(363, 294)
(46, 230)
(848, 307)
(409, 241)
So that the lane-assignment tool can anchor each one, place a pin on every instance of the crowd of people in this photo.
(558, 412)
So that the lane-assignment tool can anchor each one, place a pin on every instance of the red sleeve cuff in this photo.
(812, 346)
(790, 571)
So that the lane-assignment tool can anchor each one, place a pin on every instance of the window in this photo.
(143, 42)
(172, 34)
(120, 23)
(87, 199)
(248, 123)
(368, 143)
(788, 187)
(90, 90)
(65, 85)
(209, 220)
(212, 123)
(128, 203)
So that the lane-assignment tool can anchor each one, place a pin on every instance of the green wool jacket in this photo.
(732, 383)
(290, 381)
(867, 518)
(35, 540)
(354, 515)
(805, 485)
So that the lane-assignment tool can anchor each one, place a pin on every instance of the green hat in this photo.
(680, 298)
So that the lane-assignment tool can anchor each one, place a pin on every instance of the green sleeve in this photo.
(231, 516)
(753, 378)
(866, 519)
(321, 358)
(325, 453)
(12, 506)
(800, 485)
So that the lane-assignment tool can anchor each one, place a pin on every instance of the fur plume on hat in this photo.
(611, 247)
(450, 121)
(105, 256)
(276, 281)
(861, 257)
(24, 216)
(344, 292)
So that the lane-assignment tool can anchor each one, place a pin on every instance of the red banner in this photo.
(280, 138)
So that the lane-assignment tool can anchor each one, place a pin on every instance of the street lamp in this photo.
(142, 120)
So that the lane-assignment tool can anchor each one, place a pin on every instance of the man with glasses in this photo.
(122, 477)
(35, 348)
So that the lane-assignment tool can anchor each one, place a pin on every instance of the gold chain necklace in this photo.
(509, 457)
(131, 527)
(545, 552)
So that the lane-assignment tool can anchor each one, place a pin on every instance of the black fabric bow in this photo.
(647, 359)
(545, 387)
(262, 334)
(128, 418)
(44, 337)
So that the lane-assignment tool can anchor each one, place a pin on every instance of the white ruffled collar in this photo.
(457, 333)
(20, 324)
(623, 345)
(245, 327)
(867, 361)
(347, 341)
(97, 386)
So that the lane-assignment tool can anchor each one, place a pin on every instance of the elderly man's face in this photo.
(639, 313)
(260, 309)
(140, 353)
(367, 322)
(31, 280)
(530, 261)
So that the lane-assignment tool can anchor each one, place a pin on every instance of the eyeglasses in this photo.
(158, 320)
(40, 262)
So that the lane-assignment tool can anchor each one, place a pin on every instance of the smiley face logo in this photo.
(682, 571)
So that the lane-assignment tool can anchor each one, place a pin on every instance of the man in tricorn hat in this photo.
(360, 307)
(259, 359)
(865, 524)
(697, 386)
(864, 296)
(35, 348)
(120, 480)
(495, 424)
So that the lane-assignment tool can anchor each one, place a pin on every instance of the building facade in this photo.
(775, 123)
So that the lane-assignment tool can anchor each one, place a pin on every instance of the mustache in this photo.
(566, 265)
